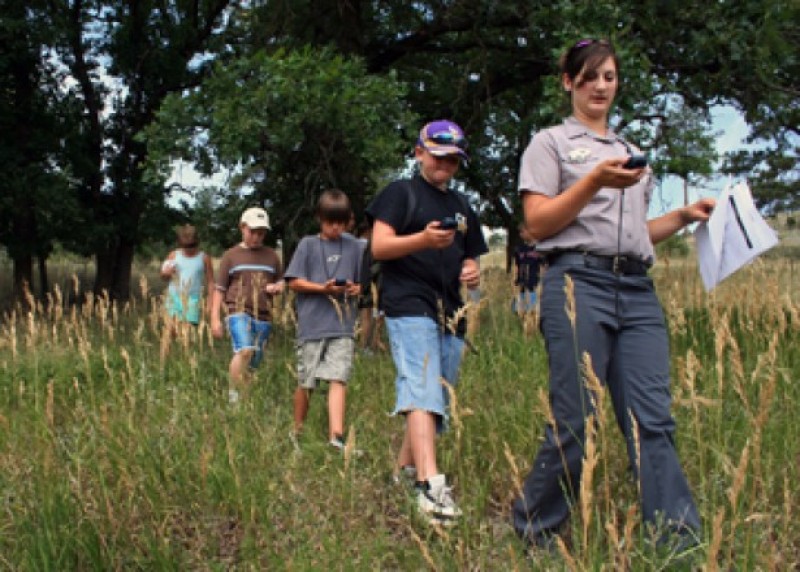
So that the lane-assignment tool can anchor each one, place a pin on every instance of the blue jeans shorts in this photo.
(247, 333)
(422, 355)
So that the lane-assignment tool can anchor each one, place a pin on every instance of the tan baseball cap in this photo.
(255, 217)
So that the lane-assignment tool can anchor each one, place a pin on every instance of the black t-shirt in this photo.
(414, 284)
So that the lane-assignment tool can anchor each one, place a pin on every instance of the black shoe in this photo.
(339, 444)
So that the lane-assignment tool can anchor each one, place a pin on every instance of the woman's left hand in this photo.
(698, 212)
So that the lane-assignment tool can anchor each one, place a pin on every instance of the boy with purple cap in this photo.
(428, 240)
(249, 276)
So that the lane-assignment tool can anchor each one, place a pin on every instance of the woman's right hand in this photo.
(546, 216)
(609, 173)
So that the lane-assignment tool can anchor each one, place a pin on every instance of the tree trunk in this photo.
(121, 290)
(104, 271)
(511, 245)
(686, 191)
(114, 267)
(44, 282)
(23, 276)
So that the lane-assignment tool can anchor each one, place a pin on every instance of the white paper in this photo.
(733, 236)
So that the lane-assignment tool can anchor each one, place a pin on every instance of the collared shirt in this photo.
(611, 223)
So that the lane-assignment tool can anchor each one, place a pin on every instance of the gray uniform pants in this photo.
(620, 323)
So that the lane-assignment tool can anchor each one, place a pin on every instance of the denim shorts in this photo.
(330, 359)
(422, 355)
(247, 333)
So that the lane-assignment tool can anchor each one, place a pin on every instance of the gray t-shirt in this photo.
(556, 159)
(320, 316)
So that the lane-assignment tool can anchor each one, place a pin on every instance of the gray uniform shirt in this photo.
(320, 316)
(613, 222)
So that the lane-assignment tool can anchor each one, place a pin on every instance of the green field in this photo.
(113, 457)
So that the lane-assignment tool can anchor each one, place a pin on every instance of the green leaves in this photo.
(292, 123)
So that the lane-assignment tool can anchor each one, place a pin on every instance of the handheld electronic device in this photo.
(635, 162)
(448, 223)
(340, 282)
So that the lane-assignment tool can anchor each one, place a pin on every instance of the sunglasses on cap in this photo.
(447, 138)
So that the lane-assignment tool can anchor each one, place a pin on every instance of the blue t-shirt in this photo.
(320, 316)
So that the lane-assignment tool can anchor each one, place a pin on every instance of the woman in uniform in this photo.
(587, 207)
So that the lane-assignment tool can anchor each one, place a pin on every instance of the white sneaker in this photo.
(436, 500)
(233, 396)
(294, 438)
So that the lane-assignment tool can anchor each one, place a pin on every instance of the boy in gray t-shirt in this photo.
(324, 272)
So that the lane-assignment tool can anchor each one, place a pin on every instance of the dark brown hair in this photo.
(334, 206)
(584, 57)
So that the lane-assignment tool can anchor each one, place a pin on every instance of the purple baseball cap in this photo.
(443, 137)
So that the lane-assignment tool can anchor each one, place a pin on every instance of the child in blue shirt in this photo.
(324, 272)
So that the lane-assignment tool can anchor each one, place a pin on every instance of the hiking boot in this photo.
(435, 499)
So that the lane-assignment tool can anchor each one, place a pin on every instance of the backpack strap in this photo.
(412, 203)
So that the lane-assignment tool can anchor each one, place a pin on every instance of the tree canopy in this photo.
(298, 95)
(35, 118)
(122, 59)
(291, 124)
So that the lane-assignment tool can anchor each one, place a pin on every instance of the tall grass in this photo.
(118, 452)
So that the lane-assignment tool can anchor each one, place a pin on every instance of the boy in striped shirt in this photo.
(249, 276)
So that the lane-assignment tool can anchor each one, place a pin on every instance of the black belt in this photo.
(627, 265)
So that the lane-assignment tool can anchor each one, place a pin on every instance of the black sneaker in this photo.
(337, 442)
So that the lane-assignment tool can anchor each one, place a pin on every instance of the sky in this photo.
(729, 123)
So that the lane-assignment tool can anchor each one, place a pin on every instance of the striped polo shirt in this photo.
(243, 275)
